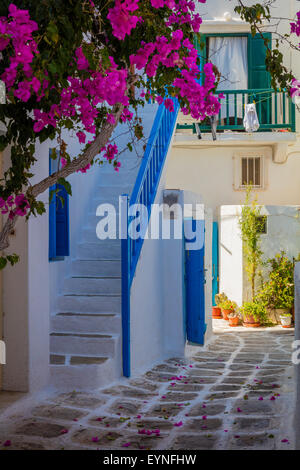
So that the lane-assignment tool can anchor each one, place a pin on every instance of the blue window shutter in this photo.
(59, 232)
(62, 222)
(52, 225)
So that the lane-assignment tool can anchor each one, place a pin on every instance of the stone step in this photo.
(85, 323)
(90, 303)
(84, 372)
(83, 344)
(92, 285)
(103, 249)
(112, 190)
(103, 268)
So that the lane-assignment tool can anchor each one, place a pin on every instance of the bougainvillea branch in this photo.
(69, 67)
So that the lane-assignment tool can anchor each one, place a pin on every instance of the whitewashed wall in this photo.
(26, 298)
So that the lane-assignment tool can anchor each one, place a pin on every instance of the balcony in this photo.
(275, 110)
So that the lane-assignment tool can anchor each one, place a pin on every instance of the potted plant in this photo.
(227, 307)
(216, 311)
(234, 318)
(254, 314)
(286, 320)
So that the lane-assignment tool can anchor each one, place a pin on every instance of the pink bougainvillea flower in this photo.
(239, 410)
(273, 398)
(261, 398)
(7, 444)
(128, 444)
(95, 439)
(139, 416)
(179, 424)
(285, 440)
(204, 417)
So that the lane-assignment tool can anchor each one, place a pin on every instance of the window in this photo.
(262, 224)
(251, 171)
(250, 166)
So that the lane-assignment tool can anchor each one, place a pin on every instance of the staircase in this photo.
(85, 338)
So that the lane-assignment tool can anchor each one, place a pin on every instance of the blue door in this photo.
(215, 262)
(194, 288)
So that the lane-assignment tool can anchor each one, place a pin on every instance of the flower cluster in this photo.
(295, 27)
(14, 205)
(17, 30)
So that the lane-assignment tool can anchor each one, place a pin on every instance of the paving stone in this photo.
(253, 424)
(58, 412)
(80, 399)
(221, 395)
(152, 424)
(41, 429)
(128, 408)
(239, 373)
(24, 445)
(225, 388)
(253, 407)
(193, 442)
(210, 365)
(269, 372)
(139, 442)
(211, 409)
(152, 387)
(261, 441)
(234, 380)
(178, 397)
(203, 425)
(279, 363)
(201, 372)
(164, 411)
(165, 368)
(129, 392)
(106, 440)
(159, 377)
(241, 367)
(186, 387)
(109, 421)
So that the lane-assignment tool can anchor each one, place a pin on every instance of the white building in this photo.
(62, 319)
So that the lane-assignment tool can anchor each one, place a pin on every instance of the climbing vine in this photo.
(251, 225)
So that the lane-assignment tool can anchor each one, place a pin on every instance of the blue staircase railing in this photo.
(144, 192)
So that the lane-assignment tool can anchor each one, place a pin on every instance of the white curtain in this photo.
(230, 56)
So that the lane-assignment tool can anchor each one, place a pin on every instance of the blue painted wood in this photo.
(125, 253)
(59, 231)
(62, 222)
(144, 192)
(215, 262)
(195, 294)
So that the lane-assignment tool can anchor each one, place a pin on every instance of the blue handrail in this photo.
(144, 192)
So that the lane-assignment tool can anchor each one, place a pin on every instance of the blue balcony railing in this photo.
(144, 192)
(275, 111)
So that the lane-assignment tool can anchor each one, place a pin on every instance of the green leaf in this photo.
(66, 185)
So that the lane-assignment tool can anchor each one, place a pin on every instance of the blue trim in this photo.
(59, 230)
(144, 192)
(215, 262)
(125, 245)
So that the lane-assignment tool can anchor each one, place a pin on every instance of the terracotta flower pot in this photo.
(234, 321)
(249, 322)
(225, 314)
(216, 312)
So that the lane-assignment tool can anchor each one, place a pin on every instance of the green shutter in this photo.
(200, 45)
(258, 76)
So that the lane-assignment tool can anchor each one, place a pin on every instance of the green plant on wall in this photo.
(252, 224)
